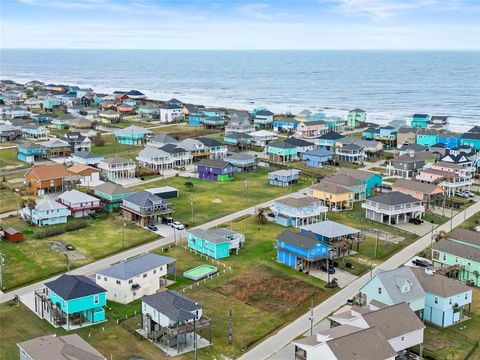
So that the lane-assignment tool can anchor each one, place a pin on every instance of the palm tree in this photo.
(440, 235)
(344, 247)
(261, 216)
(29, 203)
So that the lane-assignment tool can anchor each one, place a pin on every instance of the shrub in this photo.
(98, 140)
(60, 230)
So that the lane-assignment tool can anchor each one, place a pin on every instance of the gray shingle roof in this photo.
(112, 189)
(330, 229)
(319, 152)
(298, 142)
(357, 174)
(424, 188)
(393, 281)
(457, 249)
(393, 198)
(281, 145)
(165, 139)
(136, 266)
(466, 236)
(216, 236)
(343, 180)
(145, 199)
(304, 240)
(298, 202)
(173, 305)
(86, 155)
(219, 164)
(439, 285)
(70, 287)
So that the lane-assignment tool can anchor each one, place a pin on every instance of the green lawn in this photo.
(391, 181)
(180, 131)
(33, 259)
(435, 218)
(9, 161)
(212, 200)
(112, 148)
(8, 201)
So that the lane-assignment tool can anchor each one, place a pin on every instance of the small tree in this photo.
(345, 246)
(98, 140)
(188, 185)
(29, 203)
(261, 216)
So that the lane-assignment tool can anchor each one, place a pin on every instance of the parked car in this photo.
(152, 227)
(69, 247)
(331, 269)
(167, 220)
(415, 221)
(178, 225)
(271, 214)
(421, 262)
(469, 193)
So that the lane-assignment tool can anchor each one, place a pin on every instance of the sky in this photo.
(234, 24)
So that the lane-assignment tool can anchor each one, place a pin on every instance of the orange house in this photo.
(43, 179)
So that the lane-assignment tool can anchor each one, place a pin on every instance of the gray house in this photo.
(242, 162)
(408, 165)
(145, 208)
(393, 208)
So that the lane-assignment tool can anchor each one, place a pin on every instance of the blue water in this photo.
(388, 84)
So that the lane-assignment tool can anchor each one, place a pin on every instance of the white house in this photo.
(170, 112)
(134, 278)
(117, 168)
(34, 132)
(263, 137)
(79, 203)
(156, 159)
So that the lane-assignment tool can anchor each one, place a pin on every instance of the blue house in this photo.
(300, 251)
(327, 141)
(420, 120)
(445, 298)
(427, 137)
(46, 212)
(216, 243)
(196, 118)
(283, 177)
(372, 181)
(369, 133)
(30, 152)
(285, 124)
(393, 287)
(237, 139)
(317, 157)
(450, 140)
(199, 117)
(72, 301)
(471, 139)
(40, 118)
(86, 158)
(332, 233)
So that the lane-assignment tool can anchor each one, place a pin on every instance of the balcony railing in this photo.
(393, 210)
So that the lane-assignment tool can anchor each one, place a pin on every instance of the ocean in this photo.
(389, 85)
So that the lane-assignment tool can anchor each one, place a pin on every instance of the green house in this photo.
(427, 137)
(111, 195)
(356, 117)
(132, 135)
(216, 243)
(420, 120)
(281, 151)
(460, 251)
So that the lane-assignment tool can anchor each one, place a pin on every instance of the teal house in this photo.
(111, 195)
(372, 181)
(215, 243)
(356, 117)
(370, 132)
(281, 151)
(471, 139)
(31, 152)
(40, 118)
(327, 141)
(420, 120)
(427, 138)
(394, 287)
(461, 248)
(132, 135)
(50, 103)
(74, 301)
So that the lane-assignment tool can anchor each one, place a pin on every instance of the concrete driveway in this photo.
(422, 229)
(343, 277)
(168, 231)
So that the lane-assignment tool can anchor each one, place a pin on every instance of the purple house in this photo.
(215, 170)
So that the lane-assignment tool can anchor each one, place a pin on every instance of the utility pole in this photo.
(191, 205)
(195, 337)
(431, 244)
(311, 318)
(376, 243)
(451, 218)
(68, 263)
(123, 230)
(2, 264)
(230, 327)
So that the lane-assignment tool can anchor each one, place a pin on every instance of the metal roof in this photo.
(330, 229)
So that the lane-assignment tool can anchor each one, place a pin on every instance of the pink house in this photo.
(311, 129)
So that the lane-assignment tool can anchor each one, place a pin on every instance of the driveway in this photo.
(168, 231)
(422, 229)
(343, 277)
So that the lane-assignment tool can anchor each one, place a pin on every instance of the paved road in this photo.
(101, 264)
(283, 337)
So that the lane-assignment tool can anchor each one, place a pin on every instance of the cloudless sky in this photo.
(203, 24)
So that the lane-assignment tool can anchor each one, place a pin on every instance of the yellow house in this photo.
(335, 197)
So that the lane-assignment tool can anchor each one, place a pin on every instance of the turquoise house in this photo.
(111, 195)
(51, 103)
(446, 299)
(369, 133)
(196, 119)
(76, 301)
(372, 181)
(394, 287)
(31, 152)
(132, 135)
(281, 151)
(40, 118)
(129, 102)
(300, 251)
(327, 141)
(46, 212)
(216, 243)
(427, 138)
(472, 140)
(420, 120)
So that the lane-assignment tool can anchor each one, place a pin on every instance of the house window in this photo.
(130, 281)
(449, 301)
(154, 312)
(436, 300)
(379, 290)
(95, 299)
(466, 296)
(105, 278)
(144, 275)
(155, 270)
(402, 338)
(444, 257)
(118, 282)
(99, 277)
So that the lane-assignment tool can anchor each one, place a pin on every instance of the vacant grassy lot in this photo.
(212, 200)
(8, 201)
(9, 161)
(183, 131)
(112, 148)
(33, 259)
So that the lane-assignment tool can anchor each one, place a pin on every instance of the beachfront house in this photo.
(242, 162)
(458, 255)
(372, 180)
(155, 159)
(86, 158)
(446, 299)
(393, 208)
(450, 140)
(30, 152)
(427, 137)
(217, 243)
(356, 117)
(452, 177)
(58, 347)
(79, 203)
(263, 137)
(171, 112)
(111, 195)
(133, 278)
(116, 168)
(46, 212)
(317, 157)
(333, 196)
(283, 177)
(71, 301)
(239, 123)
(215, 170)
(406, 135)
(297, 212)
(328, 141)
(281, 151)
(311, 129)
(420, 121)
(145, 208)
(471, 139)
(393, 287)
(263, 119)
(132, 135)
(285, 124)
(300, 250)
